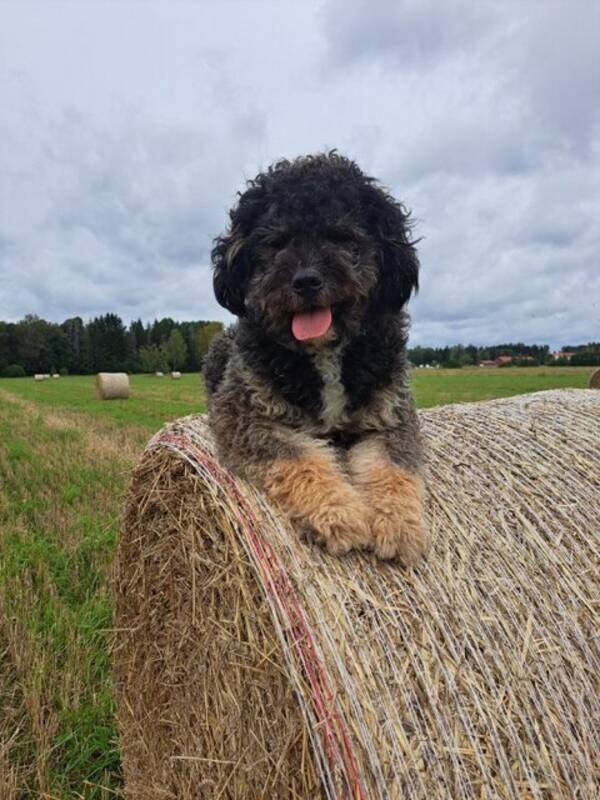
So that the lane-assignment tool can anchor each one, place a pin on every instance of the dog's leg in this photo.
(314, 493)
(394, 493)
(299, 473)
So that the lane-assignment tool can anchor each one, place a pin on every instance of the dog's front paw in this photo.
(320, 502)
(395, 499)
(394, 496)
(341, 528)
(401, 535)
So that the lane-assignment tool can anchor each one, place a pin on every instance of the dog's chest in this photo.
(334, 400)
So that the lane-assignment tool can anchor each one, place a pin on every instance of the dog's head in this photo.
(314, 245)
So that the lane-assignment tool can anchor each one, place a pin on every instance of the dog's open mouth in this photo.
(311, 324)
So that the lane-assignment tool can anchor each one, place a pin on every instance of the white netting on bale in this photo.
(249, 664)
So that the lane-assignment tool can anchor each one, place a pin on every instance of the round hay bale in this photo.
(249, 664)
(39, 377)
(595, 379)
(112, 386)
(159, 374)
(176, 375)
(56, 375)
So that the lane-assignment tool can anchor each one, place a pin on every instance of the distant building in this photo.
(566, 356)
(497, 362)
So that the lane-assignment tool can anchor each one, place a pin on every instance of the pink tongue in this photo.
(311, 324)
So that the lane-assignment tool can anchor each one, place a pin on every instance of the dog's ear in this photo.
(232, 269)
(388, 223)
(232, 252)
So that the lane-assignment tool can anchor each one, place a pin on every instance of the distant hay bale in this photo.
(176, 375)
(112, 386)
(595, 379)
(159, 374)
(56, 375)
(39, 377)
(251, 665)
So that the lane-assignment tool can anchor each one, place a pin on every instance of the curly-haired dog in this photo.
(309, 394)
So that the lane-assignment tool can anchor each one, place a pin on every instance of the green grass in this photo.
(152, 402)
(59, 517)
(435, 387)
(65, 462)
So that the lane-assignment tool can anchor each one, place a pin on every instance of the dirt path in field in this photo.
(100, 437)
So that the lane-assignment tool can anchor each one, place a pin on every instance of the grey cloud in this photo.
(514, 257)
(114, 215)
(121, 155)
(529, 69)
(407, 33)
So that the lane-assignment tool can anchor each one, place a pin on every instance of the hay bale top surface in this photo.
(475, 675)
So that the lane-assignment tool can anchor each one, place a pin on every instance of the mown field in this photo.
(65, 461)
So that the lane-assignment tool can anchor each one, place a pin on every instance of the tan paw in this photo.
(402, 536)
(342, 528)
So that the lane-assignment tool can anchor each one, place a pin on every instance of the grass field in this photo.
(65, 462)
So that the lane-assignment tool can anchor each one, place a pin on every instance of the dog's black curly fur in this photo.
(336, 409)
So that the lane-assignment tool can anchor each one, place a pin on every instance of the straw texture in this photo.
(595, 379)
(251, 665)
(112, 385)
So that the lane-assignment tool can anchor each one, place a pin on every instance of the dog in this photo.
(309, 395)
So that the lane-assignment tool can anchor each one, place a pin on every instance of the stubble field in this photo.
(65, 462)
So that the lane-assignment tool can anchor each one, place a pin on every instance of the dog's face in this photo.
(314, 246)
(312, 288)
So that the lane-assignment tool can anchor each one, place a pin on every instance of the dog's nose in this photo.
(306, 281)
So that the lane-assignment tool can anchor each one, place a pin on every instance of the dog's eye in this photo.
(278, 241)
(339, 237)
(342, 240)
(347, 245)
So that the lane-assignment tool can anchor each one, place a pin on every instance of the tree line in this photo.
(106, 344)
(529, 355)
(103, 344)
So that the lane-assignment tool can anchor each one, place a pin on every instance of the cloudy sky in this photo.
(126, 129)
